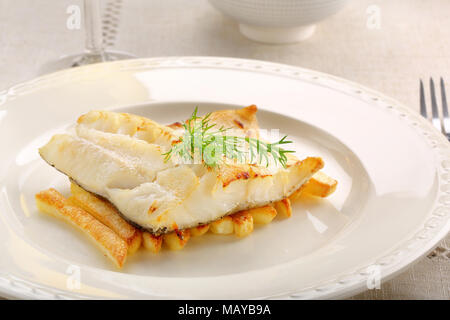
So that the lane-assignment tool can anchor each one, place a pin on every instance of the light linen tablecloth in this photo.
(411, 41)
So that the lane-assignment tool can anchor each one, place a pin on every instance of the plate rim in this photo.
(351, 283)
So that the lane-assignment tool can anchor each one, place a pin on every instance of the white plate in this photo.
(391, 206)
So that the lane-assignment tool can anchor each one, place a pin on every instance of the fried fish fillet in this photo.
(243, 122)
(120, 157)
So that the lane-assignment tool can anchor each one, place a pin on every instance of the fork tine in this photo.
(445, 117)
(423, 105)
(434, 108)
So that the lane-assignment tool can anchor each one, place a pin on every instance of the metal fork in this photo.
(443, 124)
(444, 127)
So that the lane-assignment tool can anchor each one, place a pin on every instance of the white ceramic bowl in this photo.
(278, 21)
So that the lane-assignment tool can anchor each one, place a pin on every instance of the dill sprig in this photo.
(203, 142)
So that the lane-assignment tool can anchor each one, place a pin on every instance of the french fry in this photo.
(177, 240)
(283, 208)
(151, 242)
(53, 203)
(199, 230)
(107, 214)
(320, 185)
(222, 226)
(297, 193)
(263, 215)
(243, 223)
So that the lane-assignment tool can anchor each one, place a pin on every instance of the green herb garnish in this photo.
(203, 142)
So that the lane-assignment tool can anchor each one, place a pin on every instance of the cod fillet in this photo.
(119, 156)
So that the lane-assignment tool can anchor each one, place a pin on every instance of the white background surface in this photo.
(412, 43)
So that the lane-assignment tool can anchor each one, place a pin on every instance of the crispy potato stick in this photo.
(222, 226)
(283, 208)
(243, 223)
(52, 202)
(199, 230)
(107, 214)
(177, 240)
(296, 195)
(320, 185)
(151, 242)
(263, 215)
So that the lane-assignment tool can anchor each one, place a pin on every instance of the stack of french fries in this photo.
(116, 238)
